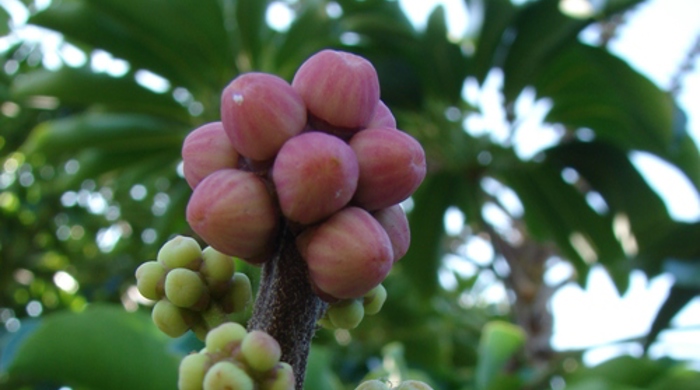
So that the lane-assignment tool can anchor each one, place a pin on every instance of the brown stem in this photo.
(286, 306)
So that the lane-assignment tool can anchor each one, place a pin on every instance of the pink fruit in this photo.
(382, 117)
(205, 150)
(339, 88)
(315, 175)
(393, 220)
(260, 112)
(234, 213)
(392, 166)
(347, 255)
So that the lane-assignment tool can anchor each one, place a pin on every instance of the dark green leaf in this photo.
(250, 17)
(4, 22)
(101, 348)
(677, 298)
(81, 87)
(592, 89)
(497, 16)
(499, 343)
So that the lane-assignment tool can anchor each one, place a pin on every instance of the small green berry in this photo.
(225, 375)
(184, 287)
(191, 373)
(260, 350)
(280, 378)
(180, 252)
(169, 318)
(149, 280)
(374, 300)
(217, 267)
(346, 314)
(239, 295)
(373, 384)
(218, 338)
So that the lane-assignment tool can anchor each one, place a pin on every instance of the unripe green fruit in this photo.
(392, 166)
(233, 211)
(281, 378)
(260, 112)
(339, 88)
(373, 384)
(191, 373)
(149, 280)
(184, 287)
(239, 294)
(315, 175)
(346, 314)
(260, 350)
(169, 318)
(374, 300)
(217, 267)
(223, 335)
(413, 385)
(206, 150)
(227, 376)
(180, 252)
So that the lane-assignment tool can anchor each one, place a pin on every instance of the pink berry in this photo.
(339, 88)
(205, 150)
(260, 112)
(234, 213)
(315, 175)
(382, 117)
(347, 255)
(392, 166)
(393, 220)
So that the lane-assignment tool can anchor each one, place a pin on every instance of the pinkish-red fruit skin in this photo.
(393, 219)
(234, 213)
(315, 175)
(392, 166)
(382, 117)
(260, 112)
(340, 88)
(206, 150)
(347, 255)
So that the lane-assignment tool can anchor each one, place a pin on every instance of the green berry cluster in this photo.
(348, 313)
(376, 384)
(195, 289)
(236, 359)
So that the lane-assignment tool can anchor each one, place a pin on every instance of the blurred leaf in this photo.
(250, 17)
(624, 370)
(593, 89)
(498, 15)
(107, 131)
(427, 229)
(500, 341)
(101, 348)
(677, 298)
(319, 373)
(82, 87)
(4, 21)
(182, 43)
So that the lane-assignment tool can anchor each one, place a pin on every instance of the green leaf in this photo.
(180, 40)
(319, 372)
(107, 131)
(590, 88)
(444, 67)
(81, 87)
(621, 372)
(677, 298)
(101, 348)
(250, 17)
(497, 16)
(427, 229)
(4, 21)
(499, 343)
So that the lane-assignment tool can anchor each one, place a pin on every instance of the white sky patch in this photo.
(279, 16)
(456, 14)
(152, 81)
(681, 198)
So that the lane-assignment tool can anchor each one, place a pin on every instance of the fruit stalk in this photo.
(286, 307)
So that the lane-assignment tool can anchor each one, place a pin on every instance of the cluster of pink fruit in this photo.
(324, 156)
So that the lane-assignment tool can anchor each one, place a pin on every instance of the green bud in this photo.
(346, 314)
(218, 338)
(217, 267)
(239, 294)
(149, 280)
(280, 378)
(227, 376)
(169, 318)
(260, 350)
(180, 252)
(373, 384)
(184, 287)
(191, 373)
(374, 300)
(413, 385)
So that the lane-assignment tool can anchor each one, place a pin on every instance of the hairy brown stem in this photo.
(286, 306)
